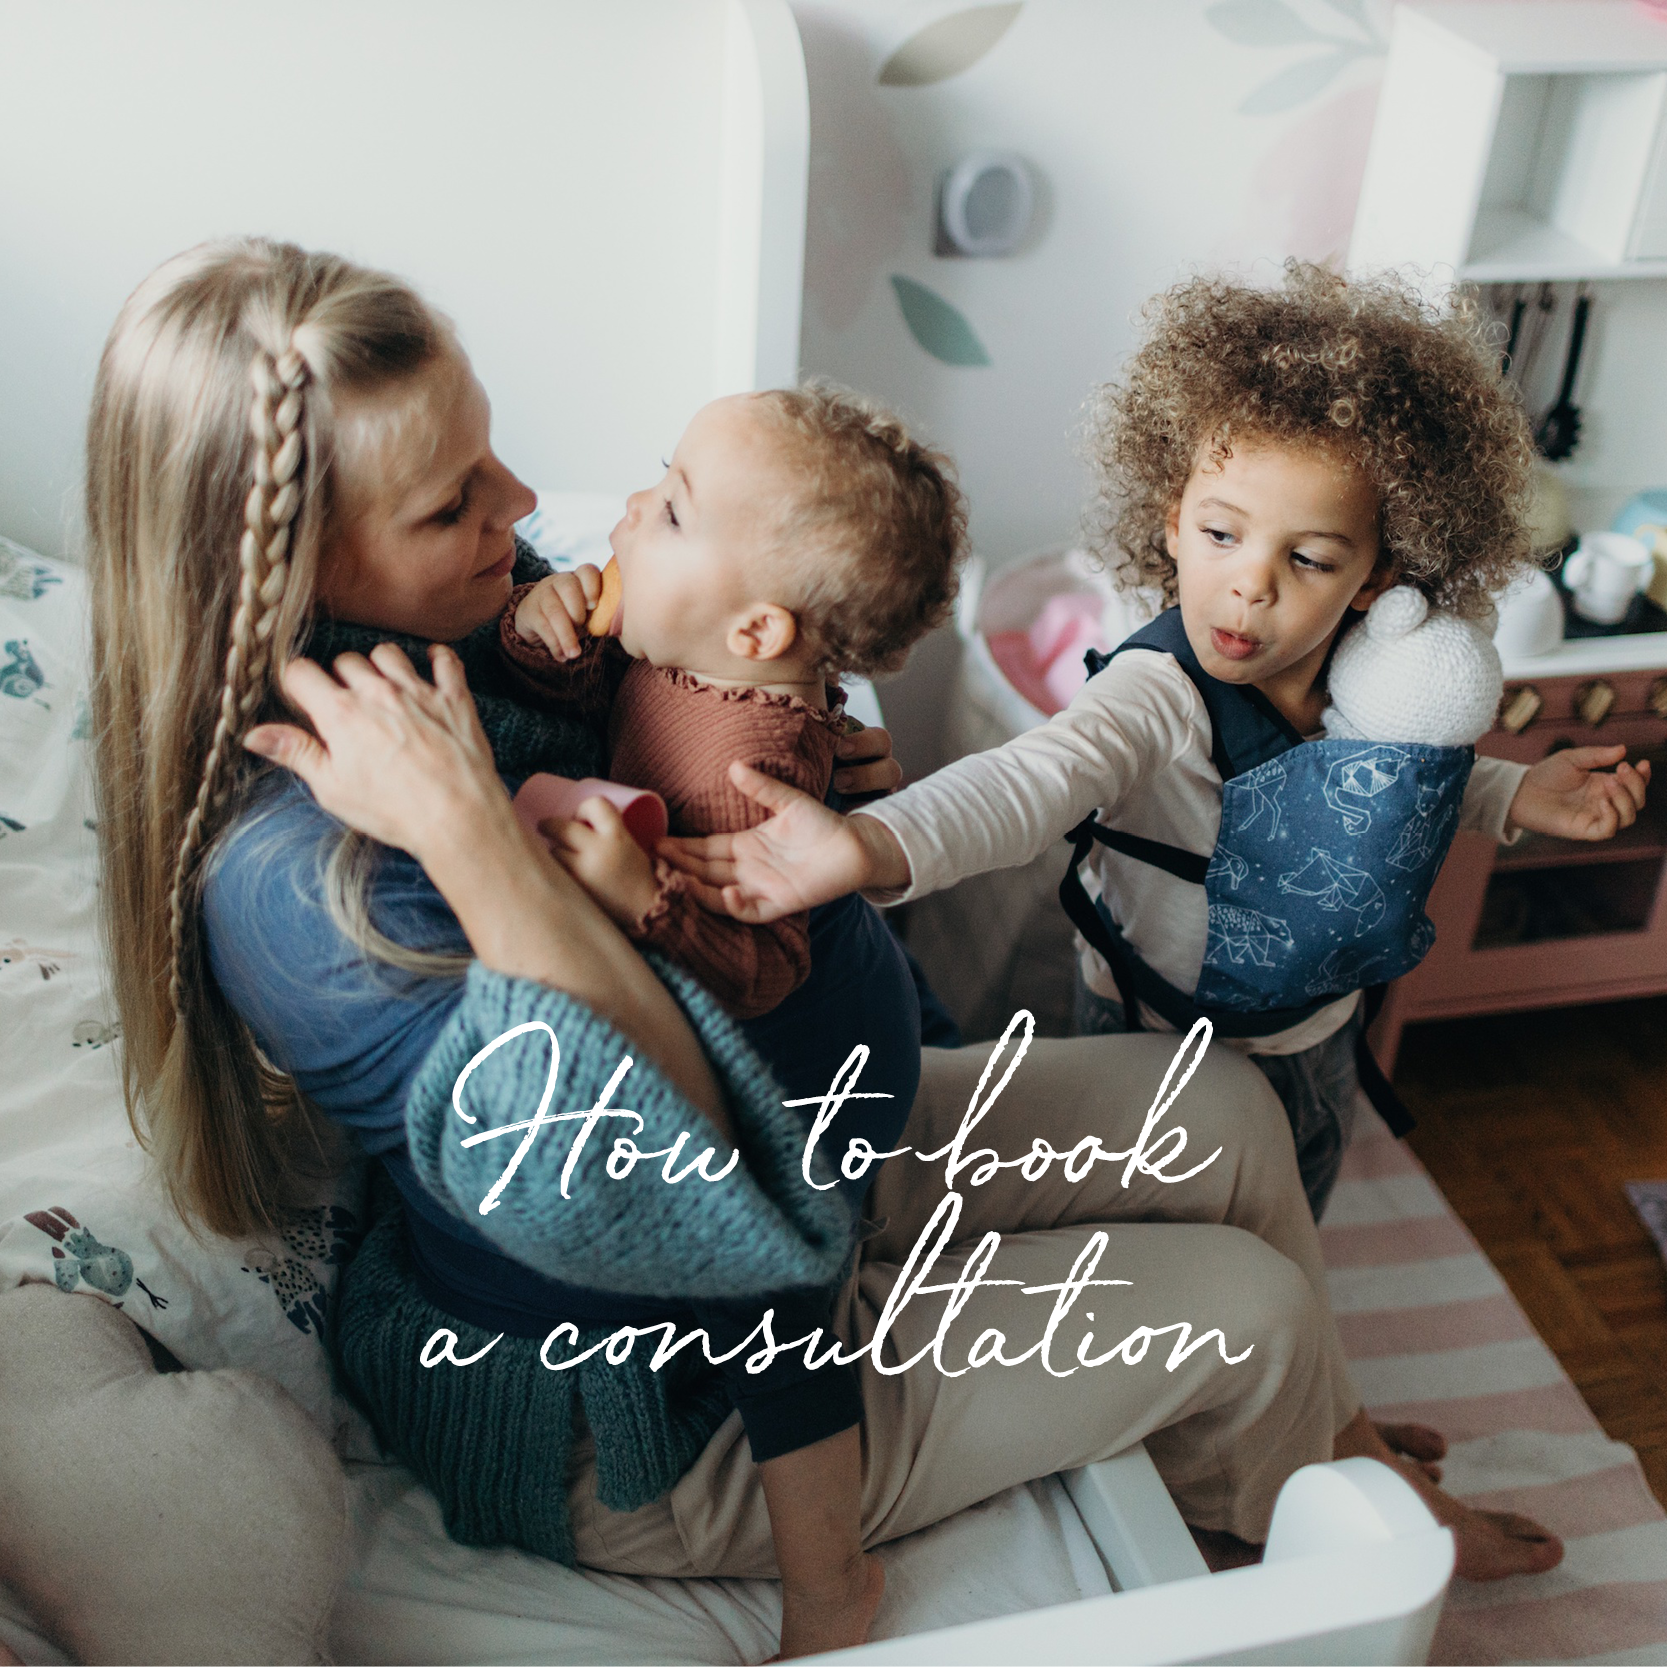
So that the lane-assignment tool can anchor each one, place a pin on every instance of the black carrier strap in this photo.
(1184, 865)
(1246, 730)
(1376, 1086)
(1134, 975)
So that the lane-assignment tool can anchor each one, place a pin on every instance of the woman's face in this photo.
(427, 540)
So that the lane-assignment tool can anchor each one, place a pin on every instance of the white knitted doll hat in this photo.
(1409, 673)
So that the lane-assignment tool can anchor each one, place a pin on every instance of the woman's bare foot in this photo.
(1490, 1544)
(1221, 1550)
(1418, 1442)
(836, 1615)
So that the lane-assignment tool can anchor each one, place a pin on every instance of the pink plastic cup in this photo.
(543, 796)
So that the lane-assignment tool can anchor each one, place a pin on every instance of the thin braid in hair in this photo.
(275, 417)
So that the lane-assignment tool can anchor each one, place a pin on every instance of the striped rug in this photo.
(1435, 1336)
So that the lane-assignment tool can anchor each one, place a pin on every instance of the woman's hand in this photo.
(1573, 795)
(408, 764)
(830, 1587)
(395, 757)
(804, 855)
(863, 765)
(554, 611)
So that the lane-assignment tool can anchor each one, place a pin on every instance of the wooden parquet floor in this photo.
(1530, 1123)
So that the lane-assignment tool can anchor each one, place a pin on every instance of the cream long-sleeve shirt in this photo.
(1135, 747)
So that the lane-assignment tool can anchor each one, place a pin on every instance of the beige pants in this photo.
(1231, 1248)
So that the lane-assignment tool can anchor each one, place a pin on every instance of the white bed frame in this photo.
(1355, 1571)
(608, 196)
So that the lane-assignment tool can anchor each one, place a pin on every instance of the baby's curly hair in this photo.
(877, 528)
(1360, 368)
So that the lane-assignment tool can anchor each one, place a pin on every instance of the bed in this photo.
(608, 198)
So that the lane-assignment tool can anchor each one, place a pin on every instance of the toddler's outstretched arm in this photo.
(804, 855)
(989, 810)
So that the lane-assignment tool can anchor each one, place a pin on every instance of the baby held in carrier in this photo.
(1261, 784)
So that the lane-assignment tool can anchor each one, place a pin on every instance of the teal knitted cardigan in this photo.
(493, 1439)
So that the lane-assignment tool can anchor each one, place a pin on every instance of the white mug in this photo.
(1604, 574)
(1530, 617)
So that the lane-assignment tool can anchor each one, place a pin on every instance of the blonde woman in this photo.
(294, 508)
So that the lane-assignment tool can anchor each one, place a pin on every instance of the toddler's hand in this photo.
(597, 849)
(804, 855)
(1571, 793)
(554, 611)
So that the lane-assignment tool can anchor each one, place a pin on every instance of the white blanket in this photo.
(78, 1208)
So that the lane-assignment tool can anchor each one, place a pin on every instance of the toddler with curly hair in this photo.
(1272, 461)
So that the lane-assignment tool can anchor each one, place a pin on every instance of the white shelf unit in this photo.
(1519, 140)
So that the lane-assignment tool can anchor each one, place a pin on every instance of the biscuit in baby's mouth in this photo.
(605, 618)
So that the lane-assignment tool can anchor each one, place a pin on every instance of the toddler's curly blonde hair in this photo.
(878, 527)
(1362, 369)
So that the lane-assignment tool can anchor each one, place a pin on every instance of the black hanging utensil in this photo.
(1559, 430)
(1518, 307)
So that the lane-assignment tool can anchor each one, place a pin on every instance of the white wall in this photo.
(1168, 134)
(568, 181)
(1129, 110)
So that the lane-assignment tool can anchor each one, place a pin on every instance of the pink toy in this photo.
(543, 796)
(1044, 663)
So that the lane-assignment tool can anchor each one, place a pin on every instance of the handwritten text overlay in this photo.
(1151, 1154)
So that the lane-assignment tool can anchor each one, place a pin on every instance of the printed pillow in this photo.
(78, 1207)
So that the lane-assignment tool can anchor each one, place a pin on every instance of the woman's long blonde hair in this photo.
(214, 469)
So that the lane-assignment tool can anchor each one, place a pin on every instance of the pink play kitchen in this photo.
(1547, 922)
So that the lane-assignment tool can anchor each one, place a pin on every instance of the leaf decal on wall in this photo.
(947, 47)
(1301, 81)
(1260, 23)
(938, 327)
(1355, 12)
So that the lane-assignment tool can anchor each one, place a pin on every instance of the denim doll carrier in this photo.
(1316, 888)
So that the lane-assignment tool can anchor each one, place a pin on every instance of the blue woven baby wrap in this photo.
(1317, 884)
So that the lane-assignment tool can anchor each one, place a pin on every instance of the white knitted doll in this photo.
(1408, 672)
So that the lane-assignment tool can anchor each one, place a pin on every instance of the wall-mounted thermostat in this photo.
(985, 204)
